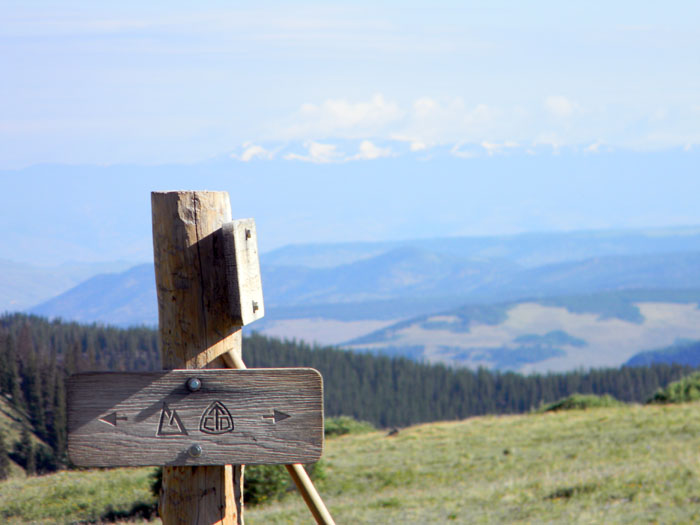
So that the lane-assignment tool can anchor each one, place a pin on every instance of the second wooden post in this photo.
(195, 330)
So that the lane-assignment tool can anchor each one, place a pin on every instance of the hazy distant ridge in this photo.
(441, 289)
(526, 249)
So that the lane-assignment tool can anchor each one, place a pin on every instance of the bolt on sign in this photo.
(195, 417)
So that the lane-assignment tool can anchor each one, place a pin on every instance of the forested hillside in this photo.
(683, 352)
(37, 355)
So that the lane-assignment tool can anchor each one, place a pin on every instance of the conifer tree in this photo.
(13, 382)
(24, 452)
(33, 395)
(4, 459)
(59, 425)
(4, 380)
(72, 357)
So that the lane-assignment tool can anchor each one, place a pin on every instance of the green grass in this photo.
(342, 425)
(628, 464)
(581, 402)
(70, 496)
(682, 391)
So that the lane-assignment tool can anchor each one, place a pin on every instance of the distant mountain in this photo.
(404, 282)
(617, 272)
(23, 285)
(527, 249)
(533, 334)
(123, 299)
(401, 272)
(683, 352)
(552, 334)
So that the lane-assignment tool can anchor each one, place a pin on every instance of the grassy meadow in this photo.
(622, 464)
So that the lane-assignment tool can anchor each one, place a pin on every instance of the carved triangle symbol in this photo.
(170, 423)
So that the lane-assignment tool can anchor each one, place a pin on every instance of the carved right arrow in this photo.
(276, 416)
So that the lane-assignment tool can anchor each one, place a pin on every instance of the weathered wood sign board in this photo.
(195, 417)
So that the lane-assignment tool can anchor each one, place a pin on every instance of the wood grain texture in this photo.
(193, 307)
(258, 416)
(297, 472)
(192, 495)
(194, 329)
(243, 271)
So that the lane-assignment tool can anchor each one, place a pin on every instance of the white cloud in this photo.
(323, 153)
(369, 151)
(431, 122)
(470, 150)
(493, 147)
(414, 143)
(318, 153)
(342, 118)
(425, 106)
(457, 151)
(560, 106)
(594, 147)
(253, 151)
(548, 138)
(475, 128)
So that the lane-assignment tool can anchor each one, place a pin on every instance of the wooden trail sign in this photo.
(202, 425)
(195, 417)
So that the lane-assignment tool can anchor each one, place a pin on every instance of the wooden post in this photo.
(195, 330)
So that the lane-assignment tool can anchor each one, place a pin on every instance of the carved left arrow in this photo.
(112, 419)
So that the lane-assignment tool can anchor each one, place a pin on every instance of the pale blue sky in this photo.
(345, 121)
(104, 83)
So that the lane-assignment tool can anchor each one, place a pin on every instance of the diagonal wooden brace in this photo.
(296, 471)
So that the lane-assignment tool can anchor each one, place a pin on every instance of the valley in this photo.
(489, 301)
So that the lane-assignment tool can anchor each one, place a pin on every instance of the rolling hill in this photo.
(493, 301)
(122, 299)
(629, 464)
(528, 249)
(541, 335)
(24, 285)
(407, 275)
(682, 352)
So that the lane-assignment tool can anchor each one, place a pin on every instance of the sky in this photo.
(347, 120)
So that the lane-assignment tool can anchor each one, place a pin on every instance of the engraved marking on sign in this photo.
(113, 418)
(170, 423)
(216, 419)
(276, 416)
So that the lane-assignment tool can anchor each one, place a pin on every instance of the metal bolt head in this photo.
(195, 450)
(193, 384)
